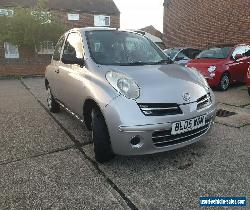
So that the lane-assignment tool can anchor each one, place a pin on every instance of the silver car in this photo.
(128, 93)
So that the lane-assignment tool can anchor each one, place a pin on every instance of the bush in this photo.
(29, 27)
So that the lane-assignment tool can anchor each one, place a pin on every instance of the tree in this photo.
(28, 27)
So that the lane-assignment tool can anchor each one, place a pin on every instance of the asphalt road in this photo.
(47, 162)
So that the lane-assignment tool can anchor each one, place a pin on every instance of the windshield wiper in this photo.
(164, 61)
(136, 63)
(140, 63)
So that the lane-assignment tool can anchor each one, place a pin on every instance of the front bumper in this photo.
(126, 121)
(214, 81)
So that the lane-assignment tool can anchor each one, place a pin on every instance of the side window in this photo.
(247, 53)
(240, 50)
(58, 49)
(74, 46)
(181, 55)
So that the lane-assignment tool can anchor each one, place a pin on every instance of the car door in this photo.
(238, 67)
(54, 66)
(246, 56)
(71, 76)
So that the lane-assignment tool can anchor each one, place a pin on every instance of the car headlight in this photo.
(123, 84)
(211, 69)
(200, 77)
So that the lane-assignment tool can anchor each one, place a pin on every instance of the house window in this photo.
(6, 12)
(73, 16)
(44, 17)
(11, 51)
(46, 48)
(102, 20)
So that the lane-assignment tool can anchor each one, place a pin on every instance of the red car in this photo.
(248, 80)
(222, 66)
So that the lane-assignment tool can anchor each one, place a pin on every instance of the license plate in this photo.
(188, 125)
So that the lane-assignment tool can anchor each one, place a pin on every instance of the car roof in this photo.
(227, 45)
(85, 29)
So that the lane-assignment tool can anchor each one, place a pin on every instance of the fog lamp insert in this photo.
(135, 140)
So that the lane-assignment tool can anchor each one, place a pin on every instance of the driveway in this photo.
(47, 160)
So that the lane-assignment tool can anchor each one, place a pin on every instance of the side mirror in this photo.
(71, 59)
(238, 56)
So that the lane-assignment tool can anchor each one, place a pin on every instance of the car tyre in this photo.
(100, 135)
(224, 82)
(54, 107)
(249, 91)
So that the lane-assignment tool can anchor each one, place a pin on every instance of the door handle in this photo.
(57, 71)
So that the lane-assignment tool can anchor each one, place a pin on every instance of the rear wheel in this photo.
(54, 107)
(224, 82)
(100, 136)
(249, 91)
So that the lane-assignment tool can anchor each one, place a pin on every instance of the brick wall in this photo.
(85, 20)
(203, 23)
(30, 64)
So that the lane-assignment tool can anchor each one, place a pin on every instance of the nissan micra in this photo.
(128, 92)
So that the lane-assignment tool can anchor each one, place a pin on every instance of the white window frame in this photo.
(6, 12)
(73, 16)
(99, 20)
(7, 51)
(46, 48)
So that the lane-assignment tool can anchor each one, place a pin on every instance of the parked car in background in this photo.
(182, 55)
(153, 38)
(224, 65)
(128, 93)
(248, 80)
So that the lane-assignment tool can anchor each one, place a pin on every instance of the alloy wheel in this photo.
(49, 98)
(225, 82)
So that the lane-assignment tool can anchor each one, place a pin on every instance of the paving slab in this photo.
(11, 88)
(61, 180)
(217, 166)
(240, 119)
(70, 123)
(25, 127)
(236, 96)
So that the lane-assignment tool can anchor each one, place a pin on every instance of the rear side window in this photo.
(241, 50)
(58, 49)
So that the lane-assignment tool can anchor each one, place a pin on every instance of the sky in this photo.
(136, 14)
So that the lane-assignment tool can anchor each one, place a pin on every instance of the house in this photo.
(153, 31)
(154, 35)
(206, 23)
(71, 13)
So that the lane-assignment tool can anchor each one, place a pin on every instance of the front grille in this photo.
(164, 138)
(160, 109)
(204, 101)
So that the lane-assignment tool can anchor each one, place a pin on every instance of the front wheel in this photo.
(54, 107)
(249, 91)
(100, 135)
(224, 82)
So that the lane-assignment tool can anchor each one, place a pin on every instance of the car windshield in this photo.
(123, 48)
(215, 53)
